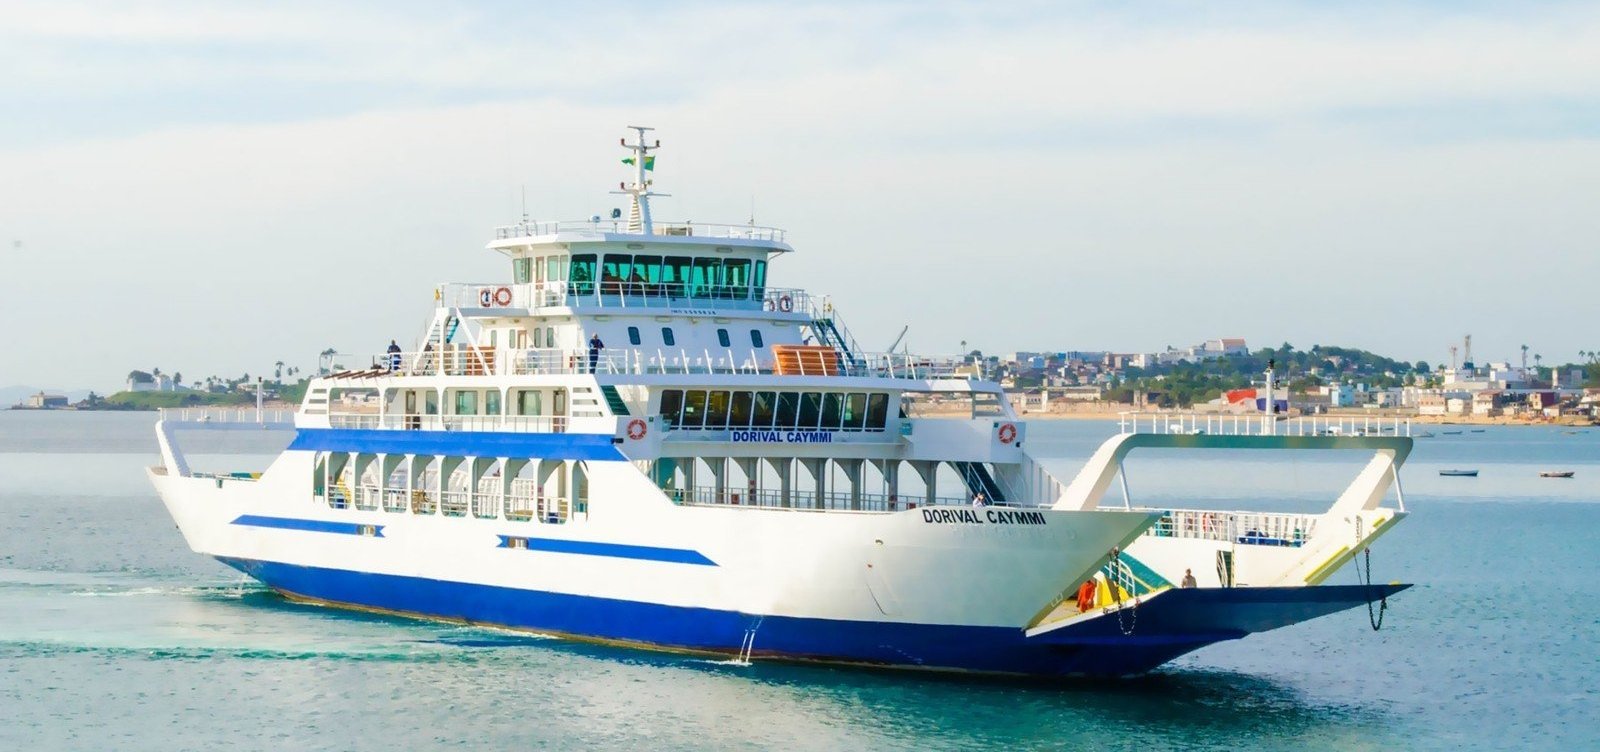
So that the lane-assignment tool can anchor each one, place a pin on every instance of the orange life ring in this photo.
(636, 429)
(502, 296)
(785, 303)
(1007, 433)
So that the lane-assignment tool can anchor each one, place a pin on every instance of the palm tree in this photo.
(1524, 357)
(277, 372)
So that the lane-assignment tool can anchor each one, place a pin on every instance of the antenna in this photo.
(753, 216)
(639, 213)
(524, 203)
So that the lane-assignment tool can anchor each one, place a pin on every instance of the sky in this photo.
(212, 187)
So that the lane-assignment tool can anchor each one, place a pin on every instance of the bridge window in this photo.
(633, 335)
(758, 282)
(755, 339)
(522, 270)
(581, 280)
(736, 278)
(667, 338)
(647, 273)
(616, 274)
(722, 338)
(707, 278)
(675, 274)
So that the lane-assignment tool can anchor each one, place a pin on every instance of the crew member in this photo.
(1188, 578)
(595, 345)
(977, 501)
(394, 355)
(1086, 595)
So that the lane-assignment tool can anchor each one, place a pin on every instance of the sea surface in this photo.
(113, 635)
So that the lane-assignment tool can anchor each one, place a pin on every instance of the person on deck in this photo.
(394, 355)
(595, 346)
(977, 501)
(1086, 595)
(1188, 579)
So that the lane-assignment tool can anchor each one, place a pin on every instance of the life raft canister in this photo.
(636, 429)
(1007, 433)
(502, 296)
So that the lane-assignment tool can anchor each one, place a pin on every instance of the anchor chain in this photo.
(1125, 624)
(1373, 618)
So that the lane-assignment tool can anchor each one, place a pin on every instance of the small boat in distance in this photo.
(1451, 433)
(1556, 474)
(1479, 430)
(1459, 473)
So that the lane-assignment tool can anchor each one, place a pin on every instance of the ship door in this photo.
(413, 421)
(558, 408)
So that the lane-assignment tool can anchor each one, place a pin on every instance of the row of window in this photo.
(723, 338)
(714, 409)
(667, 276)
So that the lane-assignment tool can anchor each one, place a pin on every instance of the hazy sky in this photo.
(211, 187)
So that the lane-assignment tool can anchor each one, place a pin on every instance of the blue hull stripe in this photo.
(310, 526)
(554, 446)
(1190, 623)
(614, 550)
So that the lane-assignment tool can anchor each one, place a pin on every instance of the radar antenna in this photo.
(639, 190)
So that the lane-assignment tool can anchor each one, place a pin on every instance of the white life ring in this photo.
(785, 303)
(485, 297)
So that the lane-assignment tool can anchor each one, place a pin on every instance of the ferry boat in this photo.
(636, 439)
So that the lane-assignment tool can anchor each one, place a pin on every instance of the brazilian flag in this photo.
(649, 162)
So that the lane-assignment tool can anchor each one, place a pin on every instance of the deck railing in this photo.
(469, 361)
(510, 423)
(811, 501)
(541, 228)
(225, 415)
(1257, 528)
(1261, 424)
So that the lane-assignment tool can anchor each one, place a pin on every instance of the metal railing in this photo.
(466, 361)
(1251, 528)
(509, 423)
(810, 501)
(539, 228)
(225, 415)
(625, 294)
(1260, 424)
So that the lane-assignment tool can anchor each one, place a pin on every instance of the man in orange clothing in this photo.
(1086, 595)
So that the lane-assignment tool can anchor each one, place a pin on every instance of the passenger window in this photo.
(491, 402)
(722, 338)
(855, 411)
(877, 410)
(528, 402)
(549, 336)
(766, 404)
(694, 409)
(671, 406)
(739, 410)
(430, 403)
(755, 339)
(466, 403)
(810, 410)
(633, 335)
(788, 406)
(538, 337)
(832, 408)
(717, 410)
(667, 338)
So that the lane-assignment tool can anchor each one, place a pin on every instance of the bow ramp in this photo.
(1174, 621)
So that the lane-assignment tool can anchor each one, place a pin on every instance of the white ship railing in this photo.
(1260, 424)
(511, 423)
(461, 360)
(1260, 528)
(226, 415)
(620, 294)
(620, 226)
(807, 500)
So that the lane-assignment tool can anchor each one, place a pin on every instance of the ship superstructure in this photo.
(638, 439)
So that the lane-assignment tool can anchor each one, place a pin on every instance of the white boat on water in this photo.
(637, 440)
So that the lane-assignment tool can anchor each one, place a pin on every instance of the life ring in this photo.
(636, 429)
(785, 303)
(768, 305)
(502, 296)
(1007, 433)
(485, 297)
